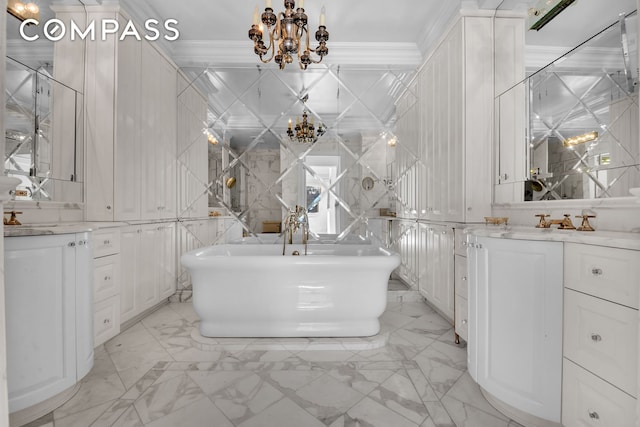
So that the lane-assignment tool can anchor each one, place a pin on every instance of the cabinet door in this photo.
(99, 194)
(423, 264)
(127, 142)
(148, 273)
(84, 304)
(517, 339)
(151, 162)
(129, 253)
(167, 258)
(166, 144)
(41, 318)
(443, 284)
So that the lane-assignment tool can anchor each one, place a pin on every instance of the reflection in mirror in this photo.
(248, 110)
(583, 120)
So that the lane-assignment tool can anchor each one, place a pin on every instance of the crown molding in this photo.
(204, 52)
(590, 58)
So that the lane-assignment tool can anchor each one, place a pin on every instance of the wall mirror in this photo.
(248, 114)
(44, 144)
(581, 118)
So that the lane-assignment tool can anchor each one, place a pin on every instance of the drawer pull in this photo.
(106, 278)
(107, 242)
(596, 338)
(594, 415)
(596, 271)
(107, 321)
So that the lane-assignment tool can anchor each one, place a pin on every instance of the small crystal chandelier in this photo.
(23, 11)
(289, 30)
(304, 131)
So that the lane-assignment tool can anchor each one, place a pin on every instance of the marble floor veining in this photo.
(159, 373)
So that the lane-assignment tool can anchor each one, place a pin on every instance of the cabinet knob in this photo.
(596, 338)
(464, 321)
(594, 415)
(464, 278)
(72, 244)
(596, 271)
(108, 208)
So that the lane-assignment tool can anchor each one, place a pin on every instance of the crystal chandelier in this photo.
(304, 131)
(23, 11)
(289, 29)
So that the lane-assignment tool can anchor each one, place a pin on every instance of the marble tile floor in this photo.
(160, 373)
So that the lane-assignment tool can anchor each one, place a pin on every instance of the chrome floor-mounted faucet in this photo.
(296, 219)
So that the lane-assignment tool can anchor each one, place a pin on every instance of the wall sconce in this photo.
(231, 182)
(580, 139)
(23, 11)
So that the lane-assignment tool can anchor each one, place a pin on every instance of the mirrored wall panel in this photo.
(322, 138)
(583, 120)
(43, 135)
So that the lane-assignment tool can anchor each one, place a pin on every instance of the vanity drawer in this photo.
(106, 242)
(461, 282)
(106, 320)
(106, 277)
(460, 242)
(607, 273)
(462, 322)
(587, 401)
(602, 337)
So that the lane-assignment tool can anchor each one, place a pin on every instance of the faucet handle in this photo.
(585, 226)
(13, 220)
(543, 223)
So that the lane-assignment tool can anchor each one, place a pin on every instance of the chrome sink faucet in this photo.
(295, 220)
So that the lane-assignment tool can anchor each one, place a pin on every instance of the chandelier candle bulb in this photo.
(322, 17)
(268, 4)
(301, 5)
(256, 14)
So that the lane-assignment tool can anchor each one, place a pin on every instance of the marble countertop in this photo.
(56, 228)
(614, 239)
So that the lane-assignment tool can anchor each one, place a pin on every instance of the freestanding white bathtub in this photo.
(252, 290)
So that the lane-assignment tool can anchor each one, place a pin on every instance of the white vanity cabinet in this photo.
(49, 312)
(515, 330)
(600, 378)
(106, 282)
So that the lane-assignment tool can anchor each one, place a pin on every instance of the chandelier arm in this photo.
(272, 47)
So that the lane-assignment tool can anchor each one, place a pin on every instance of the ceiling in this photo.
(374, 42)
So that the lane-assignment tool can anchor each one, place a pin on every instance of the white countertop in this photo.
(614, 239)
